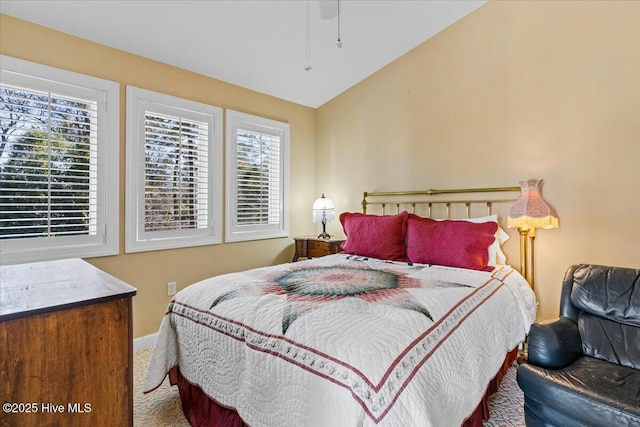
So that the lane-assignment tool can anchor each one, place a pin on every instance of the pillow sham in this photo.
(452, 243)
(377, 236)
(496, 256)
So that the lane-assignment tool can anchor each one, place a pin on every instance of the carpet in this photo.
(161, 407)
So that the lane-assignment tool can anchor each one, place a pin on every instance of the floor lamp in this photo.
(529, 212)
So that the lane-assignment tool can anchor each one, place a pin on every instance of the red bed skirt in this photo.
(202, 411)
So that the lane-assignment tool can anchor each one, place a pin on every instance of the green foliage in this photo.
(45, 187)
(45, 164)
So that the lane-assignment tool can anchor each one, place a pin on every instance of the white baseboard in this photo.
(146, 341)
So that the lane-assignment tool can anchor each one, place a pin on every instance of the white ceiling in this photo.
(257, 44)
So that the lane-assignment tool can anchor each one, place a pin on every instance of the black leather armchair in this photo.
(583, 369)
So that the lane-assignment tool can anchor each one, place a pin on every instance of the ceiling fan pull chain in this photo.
(307, 66)
(339, 42)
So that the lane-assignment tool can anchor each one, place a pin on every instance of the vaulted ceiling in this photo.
(263, 45)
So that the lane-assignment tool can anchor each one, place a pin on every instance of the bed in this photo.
(413, 324)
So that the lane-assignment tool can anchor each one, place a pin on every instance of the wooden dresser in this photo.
(66, 346)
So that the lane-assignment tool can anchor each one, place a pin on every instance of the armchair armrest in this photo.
(554, 344)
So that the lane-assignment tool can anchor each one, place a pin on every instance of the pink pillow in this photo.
(452, 243)
(376, 236)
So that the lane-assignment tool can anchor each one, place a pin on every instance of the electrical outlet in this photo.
(171, 288)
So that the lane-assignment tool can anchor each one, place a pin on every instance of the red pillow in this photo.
(376, 236)
(452, 243)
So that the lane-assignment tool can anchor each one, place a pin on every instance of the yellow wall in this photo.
(515, 90)
(149, 272)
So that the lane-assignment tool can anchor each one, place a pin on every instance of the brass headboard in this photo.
(466, 197)
(385, 198)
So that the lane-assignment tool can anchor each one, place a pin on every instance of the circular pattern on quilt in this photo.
(336, 281)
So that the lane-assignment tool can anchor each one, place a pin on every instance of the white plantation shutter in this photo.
(58, 172)
(49, 180)
(257, 177)
(174, 172)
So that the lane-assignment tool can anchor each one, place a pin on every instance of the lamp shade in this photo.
(323, 210)
(530, 211)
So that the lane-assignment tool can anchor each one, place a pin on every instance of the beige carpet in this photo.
(161, 408)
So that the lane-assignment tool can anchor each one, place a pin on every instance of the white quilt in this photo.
(345, 341)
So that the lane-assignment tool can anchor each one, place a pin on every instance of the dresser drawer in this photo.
(318, 249)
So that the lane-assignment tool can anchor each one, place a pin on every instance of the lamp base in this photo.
(324, 234)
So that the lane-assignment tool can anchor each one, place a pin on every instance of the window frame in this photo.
(136, 238)
(106, 94)
(234, 232)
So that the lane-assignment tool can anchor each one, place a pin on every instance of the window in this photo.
(58, 163)
(257, 177)
(174, 172)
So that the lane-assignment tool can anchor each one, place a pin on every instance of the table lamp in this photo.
(323, 211)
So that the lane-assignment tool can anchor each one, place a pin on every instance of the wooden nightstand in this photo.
(313, 247)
